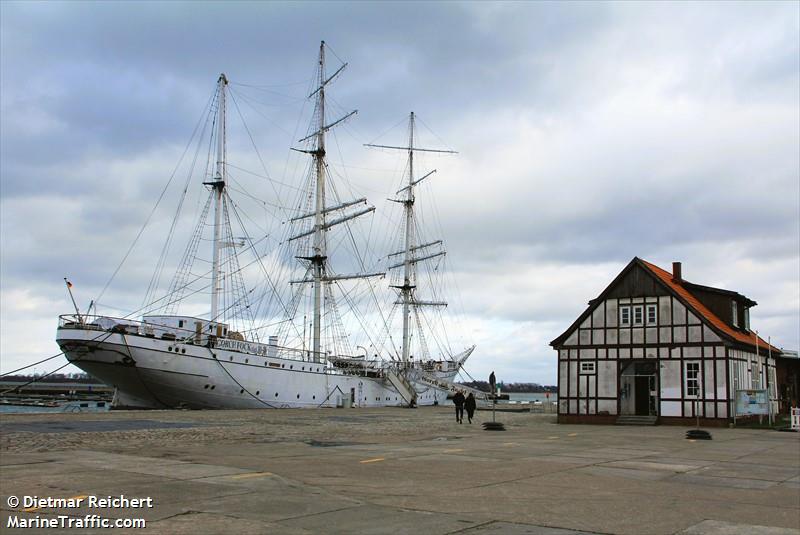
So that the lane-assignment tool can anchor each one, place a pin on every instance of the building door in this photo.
(637, 389)
(642, 395)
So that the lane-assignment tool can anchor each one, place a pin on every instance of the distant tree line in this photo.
(534, 388)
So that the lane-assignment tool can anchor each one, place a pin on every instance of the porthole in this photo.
(313, 397)
(241, 391)
(276, 394)
(169, 348)
(258, 392)
(246, 361)
(298, 396)
(213, 387)
(291, 367)
(205, 386)
(283, 365)
(304, 368)
(183, 350)
(230, 358)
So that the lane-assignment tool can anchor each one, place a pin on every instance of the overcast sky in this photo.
(588, 133)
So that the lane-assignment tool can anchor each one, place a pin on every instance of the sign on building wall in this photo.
(751, 402)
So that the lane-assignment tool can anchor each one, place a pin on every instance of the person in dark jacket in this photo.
(458, 401)
(470, 404)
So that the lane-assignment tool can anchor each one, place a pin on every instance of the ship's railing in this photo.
(123, 325)
(339, 363)
(189, 336)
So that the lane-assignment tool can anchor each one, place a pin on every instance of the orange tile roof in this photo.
(745, 338)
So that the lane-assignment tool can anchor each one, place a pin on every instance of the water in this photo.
(530, 397)
(65, 407)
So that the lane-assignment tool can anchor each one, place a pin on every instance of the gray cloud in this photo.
(587, 133)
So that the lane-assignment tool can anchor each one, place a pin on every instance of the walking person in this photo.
(470, 405)
(458, 401)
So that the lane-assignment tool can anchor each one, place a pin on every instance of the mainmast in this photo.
(412, 253)
(318, 258)
(218, 183)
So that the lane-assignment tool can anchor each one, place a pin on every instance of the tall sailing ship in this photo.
(169, 360)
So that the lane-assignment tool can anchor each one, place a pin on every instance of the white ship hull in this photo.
(155, 373)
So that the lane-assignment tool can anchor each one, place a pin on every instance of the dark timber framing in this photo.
(650, 358)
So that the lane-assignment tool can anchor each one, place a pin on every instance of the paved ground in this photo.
(396, 471)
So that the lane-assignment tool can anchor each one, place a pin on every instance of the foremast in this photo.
(412, 253)
(218, 184)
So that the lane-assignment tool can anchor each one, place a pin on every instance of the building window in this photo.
(735, 313)
(638, 315)
(692, 379)
(624, 315)
(180, 323)
(652, 314)
(587, 368)
(747, 318)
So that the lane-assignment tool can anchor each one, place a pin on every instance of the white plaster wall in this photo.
(638, 336)
(679, 335)
(671, 379)
(721, 377)
(670, 408)
(607, 379)
(597, 336)
(678, 312)
(599, 316)
(607, 405)
(573, 377)
(611, 337)
(572, 339)
(624, 336)
(708, 379)
(665, 335)
(612, 313)
(584, 338)
(664, 310)
(709, 335)
(694, 334)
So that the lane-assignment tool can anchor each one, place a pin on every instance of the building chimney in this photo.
(676, 272)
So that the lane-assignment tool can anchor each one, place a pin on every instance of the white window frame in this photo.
(735, 313)
(747, 318)
(638, 310)
(624, 311)
(654, 310)
(692, 379)
(588, 368)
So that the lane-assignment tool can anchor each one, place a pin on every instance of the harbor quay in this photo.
(388, 470)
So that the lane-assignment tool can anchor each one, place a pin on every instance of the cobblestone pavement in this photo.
(396, 471)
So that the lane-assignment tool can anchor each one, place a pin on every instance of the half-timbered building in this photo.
(654, 347)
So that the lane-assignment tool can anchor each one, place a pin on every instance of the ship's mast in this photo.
(218, 183)
(412, 253)
(408, 267)
(318, 258)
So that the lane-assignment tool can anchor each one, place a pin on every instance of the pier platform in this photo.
(391, 471)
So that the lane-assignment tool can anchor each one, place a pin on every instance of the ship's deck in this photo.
(400, 471)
